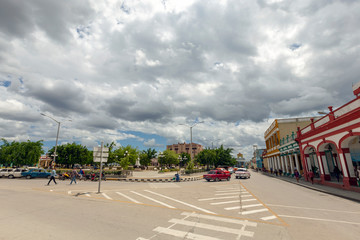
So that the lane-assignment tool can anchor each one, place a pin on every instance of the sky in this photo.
(143, 72)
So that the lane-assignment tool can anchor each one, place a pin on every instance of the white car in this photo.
(242, 173)
(16, 173)
(5, 172)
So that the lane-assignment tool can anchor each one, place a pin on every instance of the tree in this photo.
(146, 156)
(70, 154)
(20, 153)
(223, 157)
(126, 156)
(207, 157)
(185, 159)
(168, 158)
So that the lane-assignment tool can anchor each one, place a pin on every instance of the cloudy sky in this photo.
(131, 71)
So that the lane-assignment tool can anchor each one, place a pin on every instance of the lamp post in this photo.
(181, 159)
(191, 127)
(57, 135)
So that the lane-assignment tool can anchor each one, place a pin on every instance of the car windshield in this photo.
(212, 172)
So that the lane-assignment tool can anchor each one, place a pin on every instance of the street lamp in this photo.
(181, 159)
(191, 127)
(57, 135)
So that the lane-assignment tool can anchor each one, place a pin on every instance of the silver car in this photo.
(5, 172)
(242, 173)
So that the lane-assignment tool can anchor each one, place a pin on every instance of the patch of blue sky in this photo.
(295, 46)
(5, 83)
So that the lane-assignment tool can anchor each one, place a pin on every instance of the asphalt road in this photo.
(257, 208)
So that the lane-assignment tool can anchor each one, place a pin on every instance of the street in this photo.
(257, 208)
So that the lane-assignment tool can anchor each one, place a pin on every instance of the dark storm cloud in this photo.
(63, 96)
(20, 18)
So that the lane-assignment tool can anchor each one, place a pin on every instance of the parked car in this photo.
(242, 173)
(217, 175)
(16, 173)
(36, 173)
(5, 172)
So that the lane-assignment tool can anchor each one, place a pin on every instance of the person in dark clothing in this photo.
(337, 173)
(52, 176)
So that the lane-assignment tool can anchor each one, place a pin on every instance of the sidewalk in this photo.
(350, 195)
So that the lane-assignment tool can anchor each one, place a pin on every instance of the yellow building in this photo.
(278, 130)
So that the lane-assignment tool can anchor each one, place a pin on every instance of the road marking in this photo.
(164, 204)
(208, 199)
(244, 206)
(254, 211)
(316, 209)
(183, 235)
(131, 199)
(106, 196)
(69, 192)
(88, 195)
(236, 201)
(231, 191)
(175, 200)
(240, 232)
(268, 218)
(320, 219)
(221, 219)
(223, 194)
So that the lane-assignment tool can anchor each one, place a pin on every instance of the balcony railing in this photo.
(287, 139)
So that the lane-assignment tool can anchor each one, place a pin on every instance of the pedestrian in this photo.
(311, 176)
(276, 172)
(297, 175)
(52, 176)
(358, 175)
(74, 174)
(82, 174)
(337, 173)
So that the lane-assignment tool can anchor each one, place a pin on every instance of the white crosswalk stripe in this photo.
(152, 199)
(125, 196)
(253, 211)
(243, 206)
(211, 225)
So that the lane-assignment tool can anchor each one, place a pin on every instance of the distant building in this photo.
(240, 160)
(282, 152)
(185, 148)
(45, 161)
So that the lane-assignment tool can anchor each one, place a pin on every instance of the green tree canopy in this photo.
(168, 158)
(20, 153)
(70, 154)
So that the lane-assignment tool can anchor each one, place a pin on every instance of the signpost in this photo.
(101, 155)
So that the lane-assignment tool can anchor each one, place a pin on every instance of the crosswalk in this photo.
(237, 198)
(145, 197)
(204, 227)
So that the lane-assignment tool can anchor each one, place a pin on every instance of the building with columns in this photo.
(333, 141)
(282, 153)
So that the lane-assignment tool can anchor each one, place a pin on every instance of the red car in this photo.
(217, 175)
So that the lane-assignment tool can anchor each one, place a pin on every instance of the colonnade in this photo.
(287, 162)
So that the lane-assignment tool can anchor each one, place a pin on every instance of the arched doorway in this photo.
(331, 161)
(312, 162)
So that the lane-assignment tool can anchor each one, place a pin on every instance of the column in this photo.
(291, 163)
(297, 162)
(327, 176)
(278, 161)
(282, 163)
(286, 164)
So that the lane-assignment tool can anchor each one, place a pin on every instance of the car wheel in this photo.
(217, 179)
(28, 177)
(228, 179)
(11, 176)
(208, 180)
